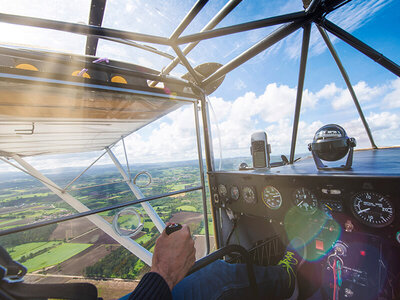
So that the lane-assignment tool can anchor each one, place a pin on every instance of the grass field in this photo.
(9, 221)
(186, 208)
(148, 224)
(25, 249)
(210, 229)
(54, 256)
(143, 239)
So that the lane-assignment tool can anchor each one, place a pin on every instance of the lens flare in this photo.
(319, 231)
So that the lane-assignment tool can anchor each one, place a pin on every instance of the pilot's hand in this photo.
(174, 255)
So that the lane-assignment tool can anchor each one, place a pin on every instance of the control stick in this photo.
(172, 228)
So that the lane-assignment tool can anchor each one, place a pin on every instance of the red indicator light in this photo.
(319, 245)
(362, 253)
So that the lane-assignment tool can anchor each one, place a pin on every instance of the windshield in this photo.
(259, 95)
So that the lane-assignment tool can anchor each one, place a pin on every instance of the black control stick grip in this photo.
(172, 228)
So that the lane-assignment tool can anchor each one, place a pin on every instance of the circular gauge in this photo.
(222, 191)
(249, 195)
(235, 193)
(271, 197)
(373, 209)
(305, 200)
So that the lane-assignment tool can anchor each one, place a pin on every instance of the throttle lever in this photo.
(172, 228)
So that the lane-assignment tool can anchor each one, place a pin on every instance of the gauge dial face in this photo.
(305, 200)
(235, 193)
(373, 209)
(249, 195)
(222, 191)
(271, 197)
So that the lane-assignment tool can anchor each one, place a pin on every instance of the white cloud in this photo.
(341, 99)
(384, 127)
(364, 93)
(392, 99)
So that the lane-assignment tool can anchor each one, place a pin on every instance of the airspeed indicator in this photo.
(373, 209)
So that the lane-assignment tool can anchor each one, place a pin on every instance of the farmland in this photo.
(77, 247)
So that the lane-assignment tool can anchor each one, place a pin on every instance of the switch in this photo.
(319, 245)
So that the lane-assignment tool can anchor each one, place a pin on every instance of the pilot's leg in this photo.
(220, 280)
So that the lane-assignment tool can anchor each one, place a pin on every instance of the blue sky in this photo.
(258, 95)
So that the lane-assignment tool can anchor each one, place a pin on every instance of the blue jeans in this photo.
(220, 280)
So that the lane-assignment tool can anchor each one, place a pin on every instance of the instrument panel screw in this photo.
(348, 226)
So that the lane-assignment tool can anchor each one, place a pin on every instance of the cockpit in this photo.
(103, 150)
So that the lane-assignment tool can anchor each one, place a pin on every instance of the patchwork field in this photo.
(63, 251)
(55, 253)
(76, 265)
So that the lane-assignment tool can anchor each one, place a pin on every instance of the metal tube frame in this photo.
(348, 83)
(26, 172)
(315, 13)
(300, 85)
(138, 193)
(186, 63)
(126, 159)
(94, 211)
(361, 46)
(210, 164)
(82, 29)
(188, 18)
(213, 22)
(262, 45)
(97, 220)
(202, 180)
(84, 171)
(277, 20)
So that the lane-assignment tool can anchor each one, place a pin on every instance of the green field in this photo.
(148, 224)
(30, 203)
(143, 239)
(210, 229)
(25, 249)
(54, 256)
(186, 208)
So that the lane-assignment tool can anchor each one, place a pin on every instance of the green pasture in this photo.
(143, 239)
(55, 256)
(148, 224)
(9, 221)
(186, 208)
(210, 229)
(25, 249)
(23, 196)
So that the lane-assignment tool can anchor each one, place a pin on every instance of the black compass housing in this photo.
(331, 143)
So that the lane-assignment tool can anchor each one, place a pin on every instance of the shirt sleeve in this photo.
(151, 287)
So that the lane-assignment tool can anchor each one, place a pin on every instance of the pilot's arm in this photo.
(173, 256)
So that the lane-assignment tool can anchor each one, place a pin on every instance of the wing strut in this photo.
(97, 220)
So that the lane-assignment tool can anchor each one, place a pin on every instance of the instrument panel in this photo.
(361, 203)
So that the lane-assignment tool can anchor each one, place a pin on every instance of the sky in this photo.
(257, 96)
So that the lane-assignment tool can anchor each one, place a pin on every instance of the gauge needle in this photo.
(300, 203)
(364, 210)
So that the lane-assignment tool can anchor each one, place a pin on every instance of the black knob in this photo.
(172, 228)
